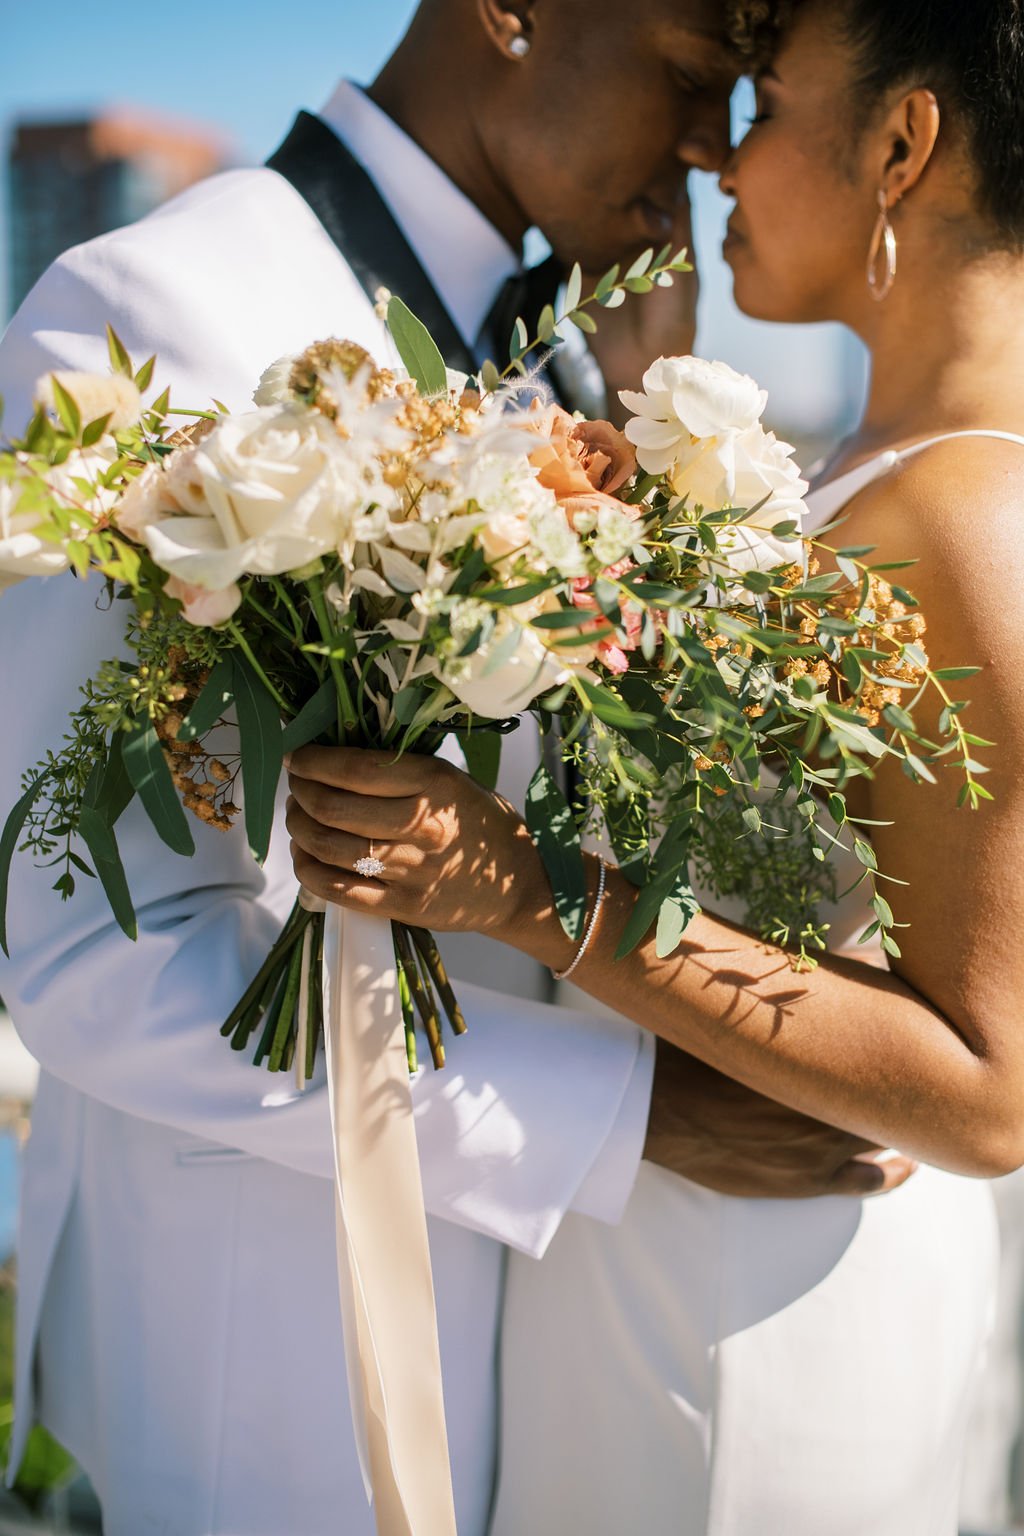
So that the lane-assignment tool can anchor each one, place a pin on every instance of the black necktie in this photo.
(523, 295)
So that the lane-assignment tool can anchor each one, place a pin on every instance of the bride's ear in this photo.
(910, 136)
(509, 25)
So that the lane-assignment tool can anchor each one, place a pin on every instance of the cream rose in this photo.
(263, 493)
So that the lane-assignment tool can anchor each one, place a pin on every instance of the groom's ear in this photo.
(509, 25)
(910, 136)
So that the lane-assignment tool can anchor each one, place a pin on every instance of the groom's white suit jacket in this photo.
(178, 1323)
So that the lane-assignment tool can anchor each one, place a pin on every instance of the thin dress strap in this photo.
(948, 437)
(826, 501)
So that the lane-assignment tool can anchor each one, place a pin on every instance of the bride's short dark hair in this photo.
(970, 54)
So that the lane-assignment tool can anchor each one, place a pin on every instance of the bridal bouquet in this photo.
(389, 558)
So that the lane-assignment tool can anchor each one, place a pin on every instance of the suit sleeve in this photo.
(540, 1098)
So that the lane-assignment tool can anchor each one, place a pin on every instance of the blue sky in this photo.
(245, 66)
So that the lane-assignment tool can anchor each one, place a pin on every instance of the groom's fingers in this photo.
(861, 1177)
(366, 772)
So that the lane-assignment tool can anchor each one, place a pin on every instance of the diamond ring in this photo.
(369, 866)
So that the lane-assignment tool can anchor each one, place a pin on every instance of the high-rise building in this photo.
(71, 181)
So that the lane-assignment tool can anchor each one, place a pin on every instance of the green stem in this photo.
(246, 649)
(347, 716)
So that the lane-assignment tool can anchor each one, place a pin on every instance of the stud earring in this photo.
(883, 238)
(519, 47)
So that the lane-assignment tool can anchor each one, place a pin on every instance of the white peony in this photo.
(272, 388)
(264, 493)
(687, 423)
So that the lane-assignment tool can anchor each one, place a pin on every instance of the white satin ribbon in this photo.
(385, 1284)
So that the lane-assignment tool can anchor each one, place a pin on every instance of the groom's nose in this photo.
(705, 142)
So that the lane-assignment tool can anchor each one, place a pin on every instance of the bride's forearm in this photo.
(848, 1044)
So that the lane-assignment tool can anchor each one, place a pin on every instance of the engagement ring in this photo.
(369, 866)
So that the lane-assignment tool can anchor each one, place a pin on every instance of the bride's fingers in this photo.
(339, 887)
(864, 1176)
(340, 850)
(367, 815)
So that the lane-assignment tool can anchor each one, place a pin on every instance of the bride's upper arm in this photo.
(959, 511)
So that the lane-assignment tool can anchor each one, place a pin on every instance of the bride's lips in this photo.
(733, 241)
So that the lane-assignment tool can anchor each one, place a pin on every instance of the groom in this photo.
(178, 1324)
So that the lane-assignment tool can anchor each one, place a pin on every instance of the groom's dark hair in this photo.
(969, 52)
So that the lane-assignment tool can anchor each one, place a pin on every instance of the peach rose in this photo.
(578, 457)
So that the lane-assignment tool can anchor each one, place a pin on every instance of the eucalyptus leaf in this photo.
(114, 790)
(553, 829)
(213, 703)
(259, 727)
(9, 839)
(675, 915)
(664, 873)
(482, 751)
(574, 288)
(417, 349)
(147, 768)
(316, 717)
(99, 838)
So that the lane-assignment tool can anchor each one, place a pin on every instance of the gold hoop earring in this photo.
(884, 236)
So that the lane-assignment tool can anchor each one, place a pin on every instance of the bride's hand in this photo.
(456, 857)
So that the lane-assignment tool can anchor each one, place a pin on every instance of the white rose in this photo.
(272, 388)
(686, 423)
(146, 500)
(264, 493)
(96, 395)
(496, 692)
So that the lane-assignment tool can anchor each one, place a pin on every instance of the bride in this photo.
(720, 1366)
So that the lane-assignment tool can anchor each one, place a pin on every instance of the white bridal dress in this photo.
(724, 1367)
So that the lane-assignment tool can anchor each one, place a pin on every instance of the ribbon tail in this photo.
(385, 1284)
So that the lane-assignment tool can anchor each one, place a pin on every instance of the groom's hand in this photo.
(658, 324)
(717, 1133)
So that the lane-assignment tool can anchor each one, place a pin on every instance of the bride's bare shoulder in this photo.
(957, 509)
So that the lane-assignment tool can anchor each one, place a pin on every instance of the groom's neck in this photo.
(418, 90)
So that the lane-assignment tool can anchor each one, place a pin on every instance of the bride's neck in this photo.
(947, 352)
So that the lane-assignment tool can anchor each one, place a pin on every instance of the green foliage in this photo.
(553, 828)
(417, 349)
